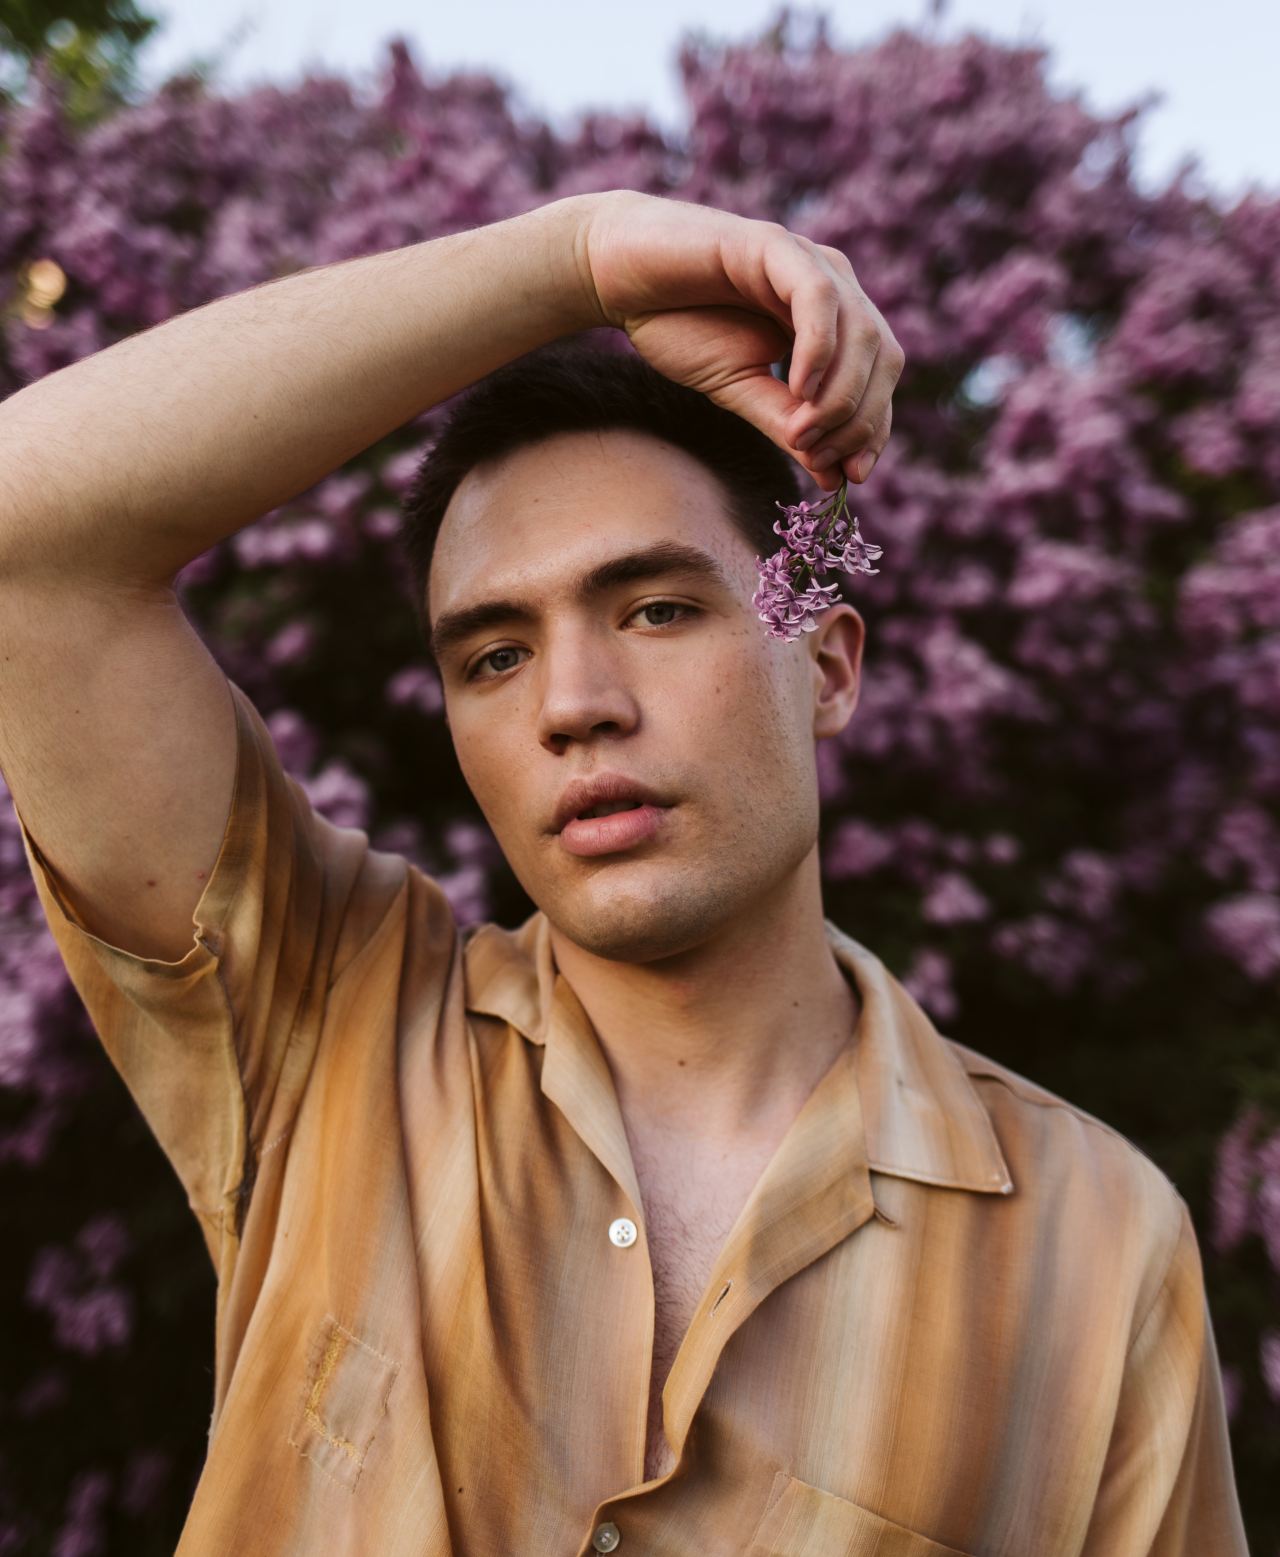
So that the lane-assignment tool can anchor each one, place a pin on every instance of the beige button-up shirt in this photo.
(956, 1315)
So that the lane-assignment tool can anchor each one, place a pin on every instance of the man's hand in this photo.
(712, 300)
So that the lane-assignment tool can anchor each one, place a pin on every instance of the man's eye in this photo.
(658, 605)
(474, 674)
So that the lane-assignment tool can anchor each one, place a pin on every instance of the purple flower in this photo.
(1234, 1173)
(1246, 928)
(816, 537)
(73, 1285)
(338, 793)
(1269, 1355)
(857, 849)
(928, 980)
(953, 899)
(82, 1533)
(416, 686)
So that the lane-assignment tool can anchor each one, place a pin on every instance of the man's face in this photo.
(691, 698)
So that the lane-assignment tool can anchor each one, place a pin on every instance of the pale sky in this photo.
(1214, 64)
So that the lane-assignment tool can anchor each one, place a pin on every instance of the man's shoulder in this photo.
(1057, 1135)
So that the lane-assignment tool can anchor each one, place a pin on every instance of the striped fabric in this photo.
(956, 1315)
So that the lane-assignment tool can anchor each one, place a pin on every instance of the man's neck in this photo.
(727, 1041)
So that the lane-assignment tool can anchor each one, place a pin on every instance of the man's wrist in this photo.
(563, 225)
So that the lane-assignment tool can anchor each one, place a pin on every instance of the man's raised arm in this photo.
(135, 460)
(130, 463)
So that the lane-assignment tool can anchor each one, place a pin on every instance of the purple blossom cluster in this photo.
(73, 1286)
(1059, 797)
(816, 537)
(1247, 1204)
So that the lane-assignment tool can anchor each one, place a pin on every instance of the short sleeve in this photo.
(1168, 1485)
(216, 1048)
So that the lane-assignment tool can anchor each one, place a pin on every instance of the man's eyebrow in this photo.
(657, 561)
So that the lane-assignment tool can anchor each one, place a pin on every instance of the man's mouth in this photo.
(607, 810)
(620, 826)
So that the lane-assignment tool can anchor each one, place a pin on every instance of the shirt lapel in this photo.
(920, 1115)
(814, 1192)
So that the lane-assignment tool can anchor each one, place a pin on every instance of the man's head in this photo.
(567, 459)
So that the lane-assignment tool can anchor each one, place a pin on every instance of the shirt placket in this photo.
(813, 1194)
(576, 1078)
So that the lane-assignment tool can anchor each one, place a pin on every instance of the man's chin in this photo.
(623, 927)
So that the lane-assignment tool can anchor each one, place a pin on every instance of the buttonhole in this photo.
(722, 1296)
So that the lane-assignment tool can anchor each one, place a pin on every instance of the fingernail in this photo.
(807, 440)
(866, 463)
(824, 456)
(811, 387)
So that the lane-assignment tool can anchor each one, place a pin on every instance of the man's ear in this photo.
(837, 644)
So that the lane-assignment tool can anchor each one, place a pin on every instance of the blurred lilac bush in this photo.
(1056, 812)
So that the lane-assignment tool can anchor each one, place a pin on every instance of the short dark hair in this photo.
(573, 385)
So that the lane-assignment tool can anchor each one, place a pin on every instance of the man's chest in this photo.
(685, 1235)
(688, 1217)
(691, 1202)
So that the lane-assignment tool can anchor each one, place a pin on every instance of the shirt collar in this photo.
(922, 1116)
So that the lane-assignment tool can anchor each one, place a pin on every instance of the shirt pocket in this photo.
(344, 1399)
(804, 1521)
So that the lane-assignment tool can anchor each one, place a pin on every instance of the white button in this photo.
(606, 1538)
(622, 1232)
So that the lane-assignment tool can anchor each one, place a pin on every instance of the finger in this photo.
(843, 389)
(858, 431)
(865, 462)
(765, 402)
(857, 467)
(860, 466)
(829, 478)
(861, 325)
(858, 387)
(809, 289)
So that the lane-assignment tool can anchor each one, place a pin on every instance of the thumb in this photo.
(725, 354)
(766, 403)
(770, 405)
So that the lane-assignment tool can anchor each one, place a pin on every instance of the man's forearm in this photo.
(128, 464)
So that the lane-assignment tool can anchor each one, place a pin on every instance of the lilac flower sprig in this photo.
(816, 536)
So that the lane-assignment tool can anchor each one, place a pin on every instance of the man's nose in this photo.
(584, 691)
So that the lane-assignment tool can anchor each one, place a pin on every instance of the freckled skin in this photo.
(709, 710)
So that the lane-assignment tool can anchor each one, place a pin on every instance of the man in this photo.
(665, 1222)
